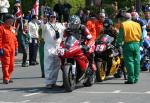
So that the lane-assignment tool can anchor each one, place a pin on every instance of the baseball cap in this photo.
(53, 14)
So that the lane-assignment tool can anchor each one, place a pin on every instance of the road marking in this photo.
(24, 101)
(86, 102)
(31, 94)
(120, 102)
(15, 102)
(148, 92)
(3, 91)
(116, 91)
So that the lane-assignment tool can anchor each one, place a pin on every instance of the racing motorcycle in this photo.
(75, 64)
(108, 59)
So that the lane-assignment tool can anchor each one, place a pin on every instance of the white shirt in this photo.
(4, 5)
(49, 36)
(33, 30)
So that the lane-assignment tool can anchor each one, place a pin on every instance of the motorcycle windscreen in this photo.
(70, 42)
(73, 47)
(104, 38)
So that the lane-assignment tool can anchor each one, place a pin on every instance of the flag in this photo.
(35, 9)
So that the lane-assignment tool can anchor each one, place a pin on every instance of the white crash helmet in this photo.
(74, 22)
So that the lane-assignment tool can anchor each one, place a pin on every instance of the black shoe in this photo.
(32, 63)
(62, 86)
(127, 82)
(43, 76)
(37, 62)
(25, 65)
(5, 81)
(11, 81)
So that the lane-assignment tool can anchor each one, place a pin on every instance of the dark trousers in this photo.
(24, 51)
(33, 48)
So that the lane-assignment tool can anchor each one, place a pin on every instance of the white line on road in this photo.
(148, 92)
(31, 94)
(24, 101)
(116, 91)
(3, 91)
(86, 102)
(15, 102)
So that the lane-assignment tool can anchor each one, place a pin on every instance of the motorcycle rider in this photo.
(81, 33)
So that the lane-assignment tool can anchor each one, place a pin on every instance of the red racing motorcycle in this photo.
(75, 64)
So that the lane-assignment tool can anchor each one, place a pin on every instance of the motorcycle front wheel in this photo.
(69, 79)
(101, 71)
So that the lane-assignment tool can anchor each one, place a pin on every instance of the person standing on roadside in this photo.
(33, 42)
(58, 10)
(131, 34)
(8, 47)
(4, 6)
(66, 11)
(52, 35)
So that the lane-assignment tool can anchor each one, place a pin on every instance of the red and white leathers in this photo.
(85, 38)
(8, 42)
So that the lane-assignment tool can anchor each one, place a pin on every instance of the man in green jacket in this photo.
(131, 34)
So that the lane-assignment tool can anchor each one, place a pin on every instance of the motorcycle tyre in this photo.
(68, 83)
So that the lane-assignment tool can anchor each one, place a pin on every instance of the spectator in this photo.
(41, 47)
(34, 36)
(8, 48)
(131, 33)
(58, 10)
(4, 6)
(66, 11)
(24, 43)
(99, 24)
(90, 24)
(81, 14)
(47, 9)
(52, 62)
(28, 16)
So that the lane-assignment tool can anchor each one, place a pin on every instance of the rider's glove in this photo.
(85, 48)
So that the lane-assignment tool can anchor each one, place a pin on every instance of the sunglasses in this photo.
(53, 16)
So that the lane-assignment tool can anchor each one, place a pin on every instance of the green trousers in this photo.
(131, 53)
(41, 51)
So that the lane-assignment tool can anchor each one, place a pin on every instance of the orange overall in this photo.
(90, 24)
(8, 42)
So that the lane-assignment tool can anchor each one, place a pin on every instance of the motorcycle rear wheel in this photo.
(69, 79)
(100, 72)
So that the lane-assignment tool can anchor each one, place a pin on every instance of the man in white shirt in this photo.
(4, 5)
(34, 36)
(52, 62)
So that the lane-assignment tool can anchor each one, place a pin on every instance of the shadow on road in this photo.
(57, 89)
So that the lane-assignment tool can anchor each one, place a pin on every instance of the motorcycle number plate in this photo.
(100, 47)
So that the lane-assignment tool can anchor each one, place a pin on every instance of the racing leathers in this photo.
(87, 42)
